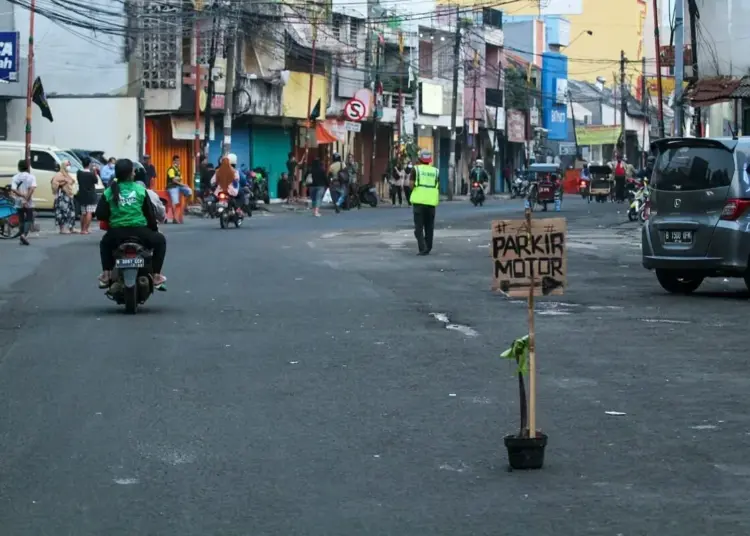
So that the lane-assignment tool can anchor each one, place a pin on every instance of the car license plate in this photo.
(678, 237)
(137, 262)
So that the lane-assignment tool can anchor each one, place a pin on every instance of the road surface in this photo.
(295, 380)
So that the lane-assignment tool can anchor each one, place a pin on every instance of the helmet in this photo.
(480, 162)
(336, 157)
(232, 159)
(425, 156)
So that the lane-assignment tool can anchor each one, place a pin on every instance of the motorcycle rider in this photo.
(227, 180)
(425, 197)
(129, 213)
(480, 175)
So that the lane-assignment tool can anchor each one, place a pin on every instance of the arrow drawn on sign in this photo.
(548, 285)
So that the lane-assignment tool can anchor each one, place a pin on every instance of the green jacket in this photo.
(128, 212)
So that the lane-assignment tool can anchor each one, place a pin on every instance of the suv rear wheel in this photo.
(674, 283)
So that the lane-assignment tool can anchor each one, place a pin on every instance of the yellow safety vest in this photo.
(425, 190)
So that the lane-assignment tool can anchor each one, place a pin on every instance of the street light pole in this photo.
(30, 82)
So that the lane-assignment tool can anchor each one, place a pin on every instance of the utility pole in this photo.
(660, 103)
(198, 91)
(694, 16)
(496, 141)
(623, 100)
(454, 106)
(679, 65)
(644, 107)
(474, 122)
(229, 91)
(378, 96)
(308, 121)
(30, 81)
(400, 112)
(210, 86)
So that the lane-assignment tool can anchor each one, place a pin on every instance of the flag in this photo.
(315, 113)
(40, 99)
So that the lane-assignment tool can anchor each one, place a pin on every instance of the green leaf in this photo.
(519, 352)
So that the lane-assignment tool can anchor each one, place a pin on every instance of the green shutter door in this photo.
(270, 150)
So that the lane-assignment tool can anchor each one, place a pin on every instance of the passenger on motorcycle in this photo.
(480, 175)
(227, 180)
(129, 213)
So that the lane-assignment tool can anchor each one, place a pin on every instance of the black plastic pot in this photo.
(526, 452)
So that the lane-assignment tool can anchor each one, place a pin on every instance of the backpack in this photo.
(343, 175)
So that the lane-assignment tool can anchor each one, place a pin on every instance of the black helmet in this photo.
(336, 157)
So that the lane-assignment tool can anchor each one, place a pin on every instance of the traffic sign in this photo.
(355, 110)
(351, 126)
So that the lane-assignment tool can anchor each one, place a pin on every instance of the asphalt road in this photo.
(293, 382)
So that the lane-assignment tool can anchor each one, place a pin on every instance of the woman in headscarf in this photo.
(227, 179)
(63, 187)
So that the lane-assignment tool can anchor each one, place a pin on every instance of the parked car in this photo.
(45, 162)
(699, 224)
(96, 157)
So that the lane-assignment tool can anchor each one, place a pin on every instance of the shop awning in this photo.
(598, 135)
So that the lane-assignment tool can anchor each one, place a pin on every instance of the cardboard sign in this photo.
(520, 254)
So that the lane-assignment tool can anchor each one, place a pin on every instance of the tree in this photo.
(516, 89)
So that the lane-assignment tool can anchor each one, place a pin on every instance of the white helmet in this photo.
(480, 162)
(232, 159)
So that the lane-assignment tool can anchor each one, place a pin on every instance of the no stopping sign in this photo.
(355, 110)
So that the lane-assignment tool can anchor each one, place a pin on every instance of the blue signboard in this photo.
(554, 95)
(8, 56)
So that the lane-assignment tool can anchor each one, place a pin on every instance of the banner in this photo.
(516, 126)
(598, 135)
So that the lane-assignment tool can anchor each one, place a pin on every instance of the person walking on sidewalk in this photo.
(425, 197)
(63, 185)
(86, 194)
(23, 186)
(397, 184)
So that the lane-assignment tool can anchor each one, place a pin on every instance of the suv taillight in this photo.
(734, 208)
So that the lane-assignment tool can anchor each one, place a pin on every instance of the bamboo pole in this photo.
(532, 345)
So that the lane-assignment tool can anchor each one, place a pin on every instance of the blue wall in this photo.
(554, 115)
(240, 144)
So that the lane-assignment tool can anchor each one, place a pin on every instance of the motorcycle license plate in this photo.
(373, 190)
(544, 189)
(137, 262)
(222, 204)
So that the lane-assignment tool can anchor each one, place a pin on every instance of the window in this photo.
(161, 53)
(43, 161)
(353, 32)
(685, 168)
(425, 59)
(338, 22)
(445, 63)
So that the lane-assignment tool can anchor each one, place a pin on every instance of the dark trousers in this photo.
(152, 240)
(396, 191)
(424, 226)
(620, 189)
(407, 194)
(25, 220)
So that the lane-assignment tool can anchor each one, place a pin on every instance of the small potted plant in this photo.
(524, 451)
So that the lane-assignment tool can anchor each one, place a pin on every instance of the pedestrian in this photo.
(150, 171)
(63, 185)
(620, 174)
(408, 179)
(318, 182)
(284, 188)
(339, 176)
(177, 190)
(425, 197)
(397, 184)
(24, 184)
(291, 168)
(108, 172)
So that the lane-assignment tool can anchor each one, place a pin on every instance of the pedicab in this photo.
(601, 183)
(544, 185)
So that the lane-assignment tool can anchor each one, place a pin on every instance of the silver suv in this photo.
(699, 224)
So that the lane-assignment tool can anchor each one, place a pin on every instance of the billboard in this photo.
(554, 95)
(8, 56)
(546, 7)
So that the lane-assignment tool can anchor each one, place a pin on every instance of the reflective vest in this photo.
(425, 190)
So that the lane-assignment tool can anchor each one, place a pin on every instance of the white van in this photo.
(45, 162)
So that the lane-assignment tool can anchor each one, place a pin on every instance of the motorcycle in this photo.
(639, 206)
(366, 194)
(132, 278)
(519, 188)
(260, 185)
(10, 225)
(227, 211)
(477, 194)
(583, 189)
